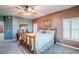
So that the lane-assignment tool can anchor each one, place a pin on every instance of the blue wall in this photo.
(1, 19)
(11, 25)
(19, 20)
(8, 28)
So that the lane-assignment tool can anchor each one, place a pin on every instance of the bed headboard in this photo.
(47, 30)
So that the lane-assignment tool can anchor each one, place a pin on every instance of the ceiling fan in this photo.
(27, 10)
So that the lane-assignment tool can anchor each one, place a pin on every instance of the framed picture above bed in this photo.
(47, 24)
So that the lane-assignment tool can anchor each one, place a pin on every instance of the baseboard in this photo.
(67, 46)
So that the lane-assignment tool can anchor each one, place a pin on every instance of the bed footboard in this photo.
(29, 42)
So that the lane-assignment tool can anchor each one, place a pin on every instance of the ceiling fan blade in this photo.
(35, 10)
(20, 13)
(34, 14)
(19, 8)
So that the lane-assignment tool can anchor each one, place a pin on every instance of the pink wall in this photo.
(57, 20)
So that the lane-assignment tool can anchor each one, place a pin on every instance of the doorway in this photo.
(1, 30)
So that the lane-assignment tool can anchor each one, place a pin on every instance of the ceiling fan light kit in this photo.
(26, 14)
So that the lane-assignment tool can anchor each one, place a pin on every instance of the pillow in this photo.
(44, 31)
(51, 31)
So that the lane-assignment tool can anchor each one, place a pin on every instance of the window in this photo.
(71, 29)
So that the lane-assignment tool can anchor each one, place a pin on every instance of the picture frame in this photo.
(47, 24)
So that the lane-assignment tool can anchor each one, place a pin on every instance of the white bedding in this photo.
(42, 39)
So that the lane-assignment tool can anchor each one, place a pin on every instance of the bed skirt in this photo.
(45, 47)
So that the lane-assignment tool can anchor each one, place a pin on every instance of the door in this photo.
(35, 28)
(1, 31)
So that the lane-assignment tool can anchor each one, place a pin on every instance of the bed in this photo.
(37, 42)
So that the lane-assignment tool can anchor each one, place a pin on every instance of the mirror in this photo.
(23, 27)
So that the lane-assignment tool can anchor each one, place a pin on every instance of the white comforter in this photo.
(43, 38)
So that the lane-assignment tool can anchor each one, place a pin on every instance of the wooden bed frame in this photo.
(25, 38)
(24, 41)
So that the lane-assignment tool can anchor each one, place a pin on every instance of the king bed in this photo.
(38, 42)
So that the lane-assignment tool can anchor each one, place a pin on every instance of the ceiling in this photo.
(10, 10)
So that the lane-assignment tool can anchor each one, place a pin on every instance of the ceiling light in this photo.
(25, 14)
(29, 9)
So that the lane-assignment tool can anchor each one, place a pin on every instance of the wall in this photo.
(57, 22)
(1, 23)
(8, 28)
(19, 20)
(11, 26)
